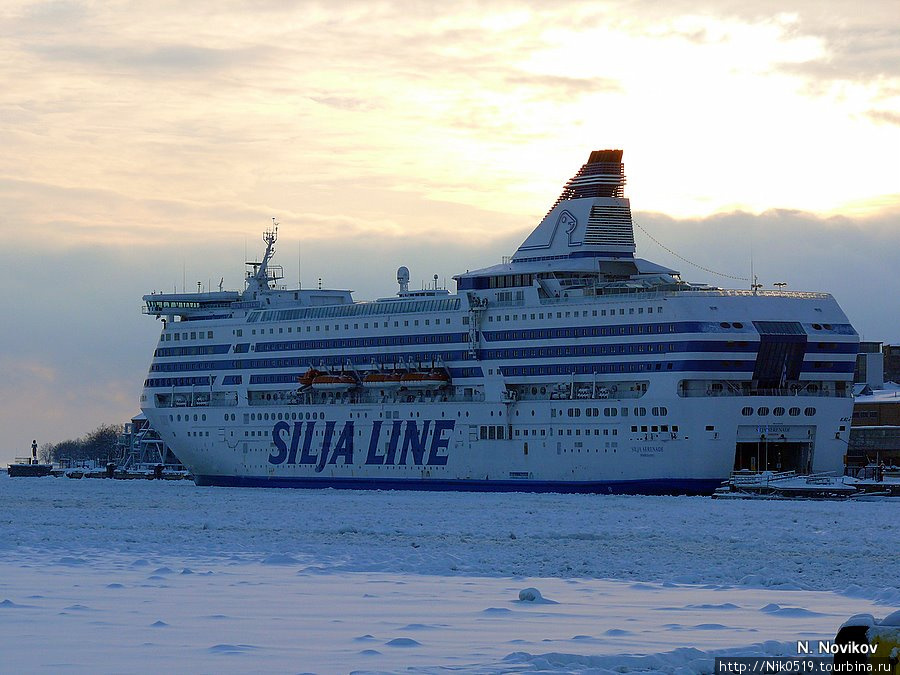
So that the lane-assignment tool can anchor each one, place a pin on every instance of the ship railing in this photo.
(744, 478)
(652, 294)
(821, 478)
(707, 392)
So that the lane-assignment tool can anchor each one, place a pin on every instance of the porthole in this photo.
(809, 412)
(747, 411)
(778, 412)
(793, 412)
(762, 410)
(725, 324)
(738, 324)
(817, 326)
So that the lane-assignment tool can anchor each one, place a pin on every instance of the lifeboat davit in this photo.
(425, 379)
(306, 379)
(382, 381)
(340, 382)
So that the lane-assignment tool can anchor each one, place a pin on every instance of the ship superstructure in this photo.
(574, 366)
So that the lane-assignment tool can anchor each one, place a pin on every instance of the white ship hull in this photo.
(439, 445)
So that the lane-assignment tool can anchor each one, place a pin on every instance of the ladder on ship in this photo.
(477, 306)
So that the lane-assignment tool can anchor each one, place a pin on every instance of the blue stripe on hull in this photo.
(660, 486)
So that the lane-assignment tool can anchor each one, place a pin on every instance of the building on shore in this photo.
(875, 428)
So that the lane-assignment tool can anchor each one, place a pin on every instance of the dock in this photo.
(791, 485)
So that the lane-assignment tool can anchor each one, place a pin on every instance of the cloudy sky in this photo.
(145, 146)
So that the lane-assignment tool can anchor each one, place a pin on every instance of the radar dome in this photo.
(403, 278)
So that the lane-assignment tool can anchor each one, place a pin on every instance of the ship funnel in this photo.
(591, 217)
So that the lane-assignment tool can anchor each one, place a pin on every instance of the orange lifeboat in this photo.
(425, 379)
(382, 380)
(339, 382)
(307, 378)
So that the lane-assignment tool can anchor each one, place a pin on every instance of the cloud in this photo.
(164, 60)
(344, 102)
(885, 116)
(560, 85)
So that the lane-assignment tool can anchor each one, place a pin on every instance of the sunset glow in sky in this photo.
(146, 145)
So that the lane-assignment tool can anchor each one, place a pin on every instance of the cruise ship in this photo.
(573, 366)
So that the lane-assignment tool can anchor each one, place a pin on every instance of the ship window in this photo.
(762, 410)
(809, 412)
(747, 411)
(778, 412)
(793, 412)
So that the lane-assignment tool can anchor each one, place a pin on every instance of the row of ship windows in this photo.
(591, 350)
(637, 329)
(579, 369)
(656, 411)
(534, 316)
(490, 432)
(655, 429)
(588, 331)
(566, 451)
(319, 327)
(194, 335)
(187, 418)
(539, 316)
(260, 417)
(587, 432)
(777, 412)
(356, 309)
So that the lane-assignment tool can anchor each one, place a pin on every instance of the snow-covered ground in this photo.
(144, 576)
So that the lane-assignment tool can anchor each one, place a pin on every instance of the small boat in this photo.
(428, 379)
(340, 382)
